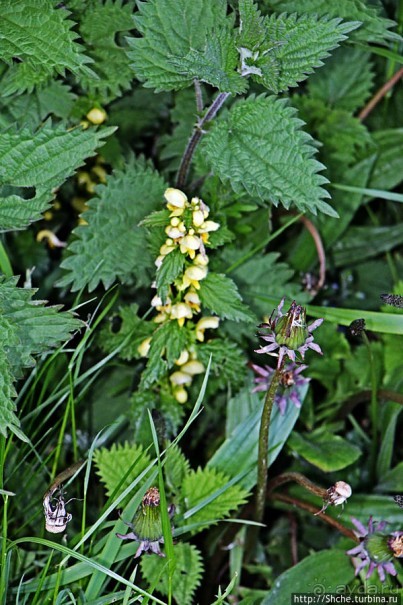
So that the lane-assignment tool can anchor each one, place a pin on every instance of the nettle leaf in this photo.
(374, 27)
(112, 465)
(228, 363)
(28, 328)
(259, 147)
(39, 35)
(387, 172)
(220, 294)
(170, 30)
(208, 490)
(186, 576)
(32, 165)
(113, 245)
(252, 30)
(100, 27)
(298, 44)
(126, 325)
(167, 343)
(324, 450)
(346, 82)
(170, 268)
(216, 64)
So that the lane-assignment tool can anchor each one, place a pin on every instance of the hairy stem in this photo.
(264, 445)
(380, 94)
(196, 136)
(301, 480)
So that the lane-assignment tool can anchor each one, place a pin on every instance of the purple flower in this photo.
(290, 383)
(374, 549)
(289, 333)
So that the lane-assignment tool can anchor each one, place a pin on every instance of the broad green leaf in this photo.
(113, 245)
(170, 268)
(258, 147)
(252, 30)
(296, 45)
(392, 480)
(345, 82)
(388, 168)
(32, 165)
(167, 343)
(361, 243)
(219, 294)
(237, 456)
(187, 575)
(323, 572)
(374, 28)
(101, 26)
(170, 29)
(324, 450)
(40, 35)
(389, 417)
(28, 328)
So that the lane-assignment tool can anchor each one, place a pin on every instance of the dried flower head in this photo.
(147, 526)
(375, 549)
(289, 333)
(291, 382)
(336, 494)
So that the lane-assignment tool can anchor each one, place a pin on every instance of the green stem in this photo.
(374, 405)
(3, 566)
(264, 445)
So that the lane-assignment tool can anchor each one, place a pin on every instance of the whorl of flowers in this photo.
(291, 382)
(188, 230)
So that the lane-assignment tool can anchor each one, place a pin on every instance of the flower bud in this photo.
(180, 378)
(96, 115)
(193, 367)
(144, 347)
(291, 329)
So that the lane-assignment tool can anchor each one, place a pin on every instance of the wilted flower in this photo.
(147, 526)
(290, 383)
(289, 333)
(374, 549)
(336, 494)
(51, 238)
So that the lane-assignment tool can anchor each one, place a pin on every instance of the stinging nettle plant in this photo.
(148, 151)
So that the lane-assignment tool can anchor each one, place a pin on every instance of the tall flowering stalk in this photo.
(288, 335)
(187, 230)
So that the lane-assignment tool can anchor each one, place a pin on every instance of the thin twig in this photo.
(301, 480)
(380, 94)
(311, 509)
(196, 136)
(319, 250)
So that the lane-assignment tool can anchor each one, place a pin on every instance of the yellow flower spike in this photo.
(96, 115)
(198, 218)
(193, 367)
(206, 323)
(175, 198)
(208, 226)
(144, 347)
(183, 358)
(180, 378)
(180, 395)
(189, 244)
(52, 240)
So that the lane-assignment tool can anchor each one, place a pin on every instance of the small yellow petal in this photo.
(144, 347)
(196, 273)
(208, 226)
(183, 358)
(193, 367)
(179, 378)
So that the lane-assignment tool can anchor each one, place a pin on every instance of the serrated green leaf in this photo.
(228, 363)
(202, 488)
(353, 247)
(167, 343)
(324, 450)
(258, 147)
(388, 169)
(171, 29)
(220, 294)
(41, 37)
(113, 245)
(325, 570)
(28, 328)
(126, 325)
(252, 31)
(215, 64)
(112, 465)
(374, 27)
(101, 26)
(298, 44)
(40, 162)
(170, 268)
(183, 117)
(186, 577)
(346, 81)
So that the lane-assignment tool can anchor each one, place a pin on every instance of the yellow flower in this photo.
(193, 300)
(51, 238)
(180, 395)
(189, 244)
(208, 226)
(175, 198)
(144, 347)
(192, 276)
(183, 358)
(181, 311)
(180, 378)
(198, 218)
(193, 367)
(96, 115)
(174, 232)
(206, 323)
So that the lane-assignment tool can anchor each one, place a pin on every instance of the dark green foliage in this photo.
(220, 295)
